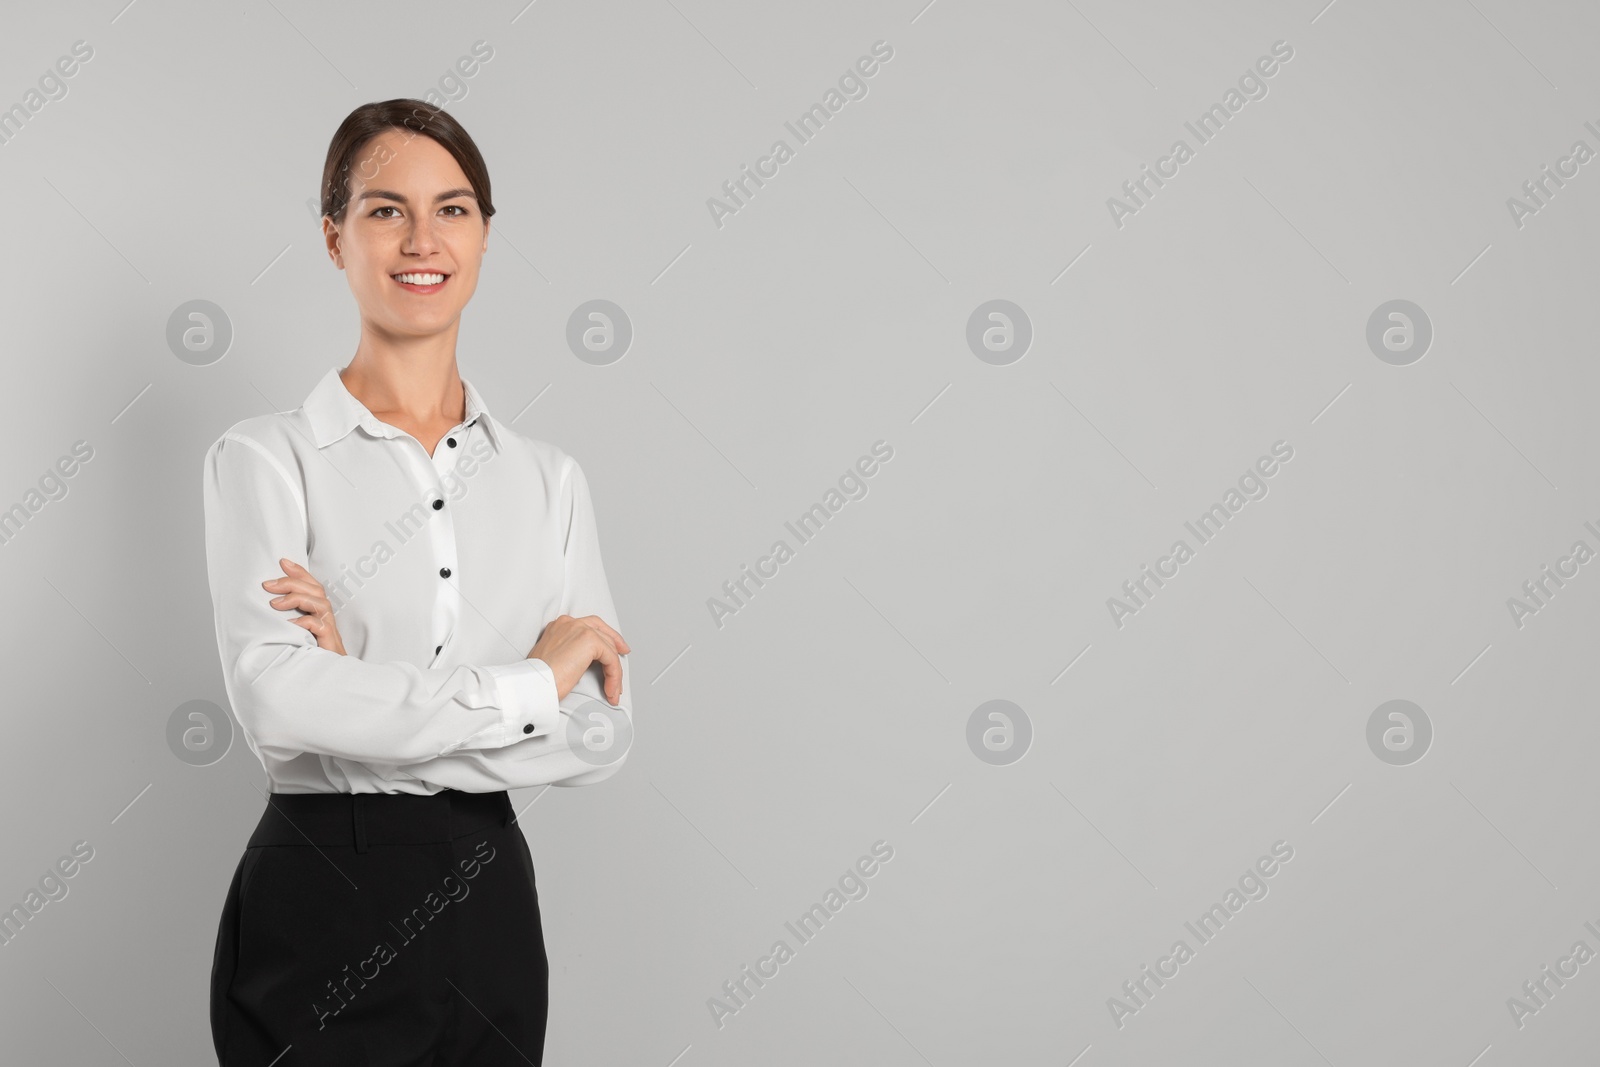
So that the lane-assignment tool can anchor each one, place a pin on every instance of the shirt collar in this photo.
(334, 411)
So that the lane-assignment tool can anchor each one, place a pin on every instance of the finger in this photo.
(327, 636)
(311, 605)
(291, 568)
(286, 586)
(319, 622)
(597, 623)
(306, 584)
(605, 642)
(611, 664)
(295, 570)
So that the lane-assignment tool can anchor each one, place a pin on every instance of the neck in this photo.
(414, 393)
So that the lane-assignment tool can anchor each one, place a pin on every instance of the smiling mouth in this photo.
(421, 281)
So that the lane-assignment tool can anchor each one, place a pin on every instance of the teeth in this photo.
(419, 279)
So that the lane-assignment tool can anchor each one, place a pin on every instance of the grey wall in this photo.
(1164, 752)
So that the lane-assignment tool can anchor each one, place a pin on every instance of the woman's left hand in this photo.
(300, 592)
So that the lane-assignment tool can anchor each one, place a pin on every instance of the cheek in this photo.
(365, 246)
(371, 274)
(468, 252)
(460, 289)
(468, 257)
(364, 277)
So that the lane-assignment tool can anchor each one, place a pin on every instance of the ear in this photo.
(330, 238)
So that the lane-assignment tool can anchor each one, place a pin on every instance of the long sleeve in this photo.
(596, 736)
(292, 697)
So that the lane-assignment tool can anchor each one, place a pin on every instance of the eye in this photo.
(456, 207)
(384, 208)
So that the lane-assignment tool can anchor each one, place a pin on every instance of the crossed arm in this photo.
(568, 645)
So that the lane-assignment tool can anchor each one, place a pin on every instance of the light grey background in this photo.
(769, 354)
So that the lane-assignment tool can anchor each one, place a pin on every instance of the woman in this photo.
(385, 909)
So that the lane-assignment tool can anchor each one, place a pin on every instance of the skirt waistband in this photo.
(363, 819)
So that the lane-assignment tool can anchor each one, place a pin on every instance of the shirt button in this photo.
(527, 728)
(444, 572)
(451, 441)
(437, 504)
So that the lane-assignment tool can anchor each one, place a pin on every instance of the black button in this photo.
(437, 504)
(528, 728)
(451, 441)
(436, 649)
(444, 572)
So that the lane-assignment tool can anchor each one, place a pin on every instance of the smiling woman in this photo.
(391, 725)
(445, 230)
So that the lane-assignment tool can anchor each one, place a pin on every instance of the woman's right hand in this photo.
(569, 645)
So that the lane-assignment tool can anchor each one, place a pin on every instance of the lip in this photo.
(424, 289)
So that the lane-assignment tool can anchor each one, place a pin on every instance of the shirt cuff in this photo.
(528, 702)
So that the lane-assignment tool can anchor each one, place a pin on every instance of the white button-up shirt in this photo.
(442, 570)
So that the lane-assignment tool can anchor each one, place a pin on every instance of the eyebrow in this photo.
(385, 194)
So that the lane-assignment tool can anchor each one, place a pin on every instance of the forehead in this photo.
(403, 157)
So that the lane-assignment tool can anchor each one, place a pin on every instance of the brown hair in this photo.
(404, 113)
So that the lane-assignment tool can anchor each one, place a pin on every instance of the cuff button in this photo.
(527, 728)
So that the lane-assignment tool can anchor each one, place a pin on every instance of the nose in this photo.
(420, 239)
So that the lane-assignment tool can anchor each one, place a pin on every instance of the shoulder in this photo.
(262, 441)
(274, 429)
(552, 462)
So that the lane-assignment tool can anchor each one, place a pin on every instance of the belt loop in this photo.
(356, 807)
(507, 815)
